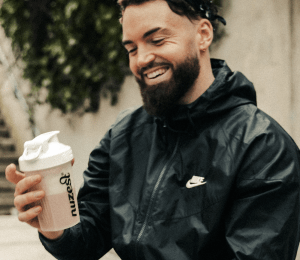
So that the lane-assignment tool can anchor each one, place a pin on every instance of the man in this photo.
(198, 172)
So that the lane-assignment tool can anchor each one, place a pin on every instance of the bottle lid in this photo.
(43, 152)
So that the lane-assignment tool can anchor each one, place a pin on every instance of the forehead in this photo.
(138, 19)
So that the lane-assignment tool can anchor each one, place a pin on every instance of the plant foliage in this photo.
(71, 48)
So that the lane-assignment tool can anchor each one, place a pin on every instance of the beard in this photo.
(161, 99)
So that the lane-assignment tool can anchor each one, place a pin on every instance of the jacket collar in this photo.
(229, 90)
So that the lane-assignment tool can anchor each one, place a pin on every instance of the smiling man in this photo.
(198, 172)
(166, 54)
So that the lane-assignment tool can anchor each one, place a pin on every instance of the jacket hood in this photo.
(228, 91)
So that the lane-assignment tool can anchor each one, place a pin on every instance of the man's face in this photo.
(163, 54)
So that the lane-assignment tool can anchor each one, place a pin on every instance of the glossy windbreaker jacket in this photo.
(244, 205)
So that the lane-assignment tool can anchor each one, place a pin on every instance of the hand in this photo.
(25, 199)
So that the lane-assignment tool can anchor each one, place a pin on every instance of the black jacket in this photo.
(135, 196)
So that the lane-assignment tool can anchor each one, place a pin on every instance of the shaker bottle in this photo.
(46, 156)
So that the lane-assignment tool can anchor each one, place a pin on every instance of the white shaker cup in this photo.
(46, 156)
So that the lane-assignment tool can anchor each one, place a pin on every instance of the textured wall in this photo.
(10, 74)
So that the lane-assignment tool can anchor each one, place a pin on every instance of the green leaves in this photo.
(70, 7)
(71, 48)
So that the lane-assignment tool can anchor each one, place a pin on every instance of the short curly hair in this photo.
(180, 7)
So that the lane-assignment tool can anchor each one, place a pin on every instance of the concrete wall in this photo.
(10, 75)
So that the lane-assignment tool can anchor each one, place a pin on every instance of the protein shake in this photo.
(46, 156)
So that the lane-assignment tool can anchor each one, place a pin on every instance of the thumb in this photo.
(12, 175)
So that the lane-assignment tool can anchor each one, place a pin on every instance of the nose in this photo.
(144, 59)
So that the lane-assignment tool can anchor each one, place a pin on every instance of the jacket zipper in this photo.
(153, 195)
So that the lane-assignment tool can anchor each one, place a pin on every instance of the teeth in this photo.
(156, 73)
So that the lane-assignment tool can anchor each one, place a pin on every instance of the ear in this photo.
(205, 34)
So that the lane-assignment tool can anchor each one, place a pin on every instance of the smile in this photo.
(156, 73)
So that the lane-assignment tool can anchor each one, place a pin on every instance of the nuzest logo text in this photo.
(65, 179)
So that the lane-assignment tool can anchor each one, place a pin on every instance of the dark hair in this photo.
(207, 9)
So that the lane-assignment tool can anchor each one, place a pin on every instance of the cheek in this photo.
(175, 52)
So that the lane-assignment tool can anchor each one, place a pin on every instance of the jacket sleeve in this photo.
(91, 238)
(263, 219)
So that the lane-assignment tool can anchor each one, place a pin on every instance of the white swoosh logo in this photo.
(195, 181)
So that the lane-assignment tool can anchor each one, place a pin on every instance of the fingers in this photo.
(23, 201)
(30, 215)
(27, 183)
(13, 175)
(73, 161)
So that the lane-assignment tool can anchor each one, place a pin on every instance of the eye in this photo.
(131, 50)
(157, 41)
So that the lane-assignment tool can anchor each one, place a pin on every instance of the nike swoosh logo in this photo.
(195, 181)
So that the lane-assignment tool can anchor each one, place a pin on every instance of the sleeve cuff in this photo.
(54, 244)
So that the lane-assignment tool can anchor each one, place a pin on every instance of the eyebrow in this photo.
(146, 34)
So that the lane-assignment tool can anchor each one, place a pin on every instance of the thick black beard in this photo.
(161, 99)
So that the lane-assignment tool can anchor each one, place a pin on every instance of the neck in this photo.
(203, 82)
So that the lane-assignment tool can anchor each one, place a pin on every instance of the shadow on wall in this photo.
(222, 33)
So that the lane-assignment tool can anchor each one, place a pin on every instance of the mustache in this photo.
(151, 66)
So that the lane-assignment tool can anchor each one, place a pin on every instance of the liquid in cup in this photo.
(46, 156)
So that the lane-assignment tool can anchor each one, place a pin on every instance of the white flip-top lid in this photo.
(44, 151)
